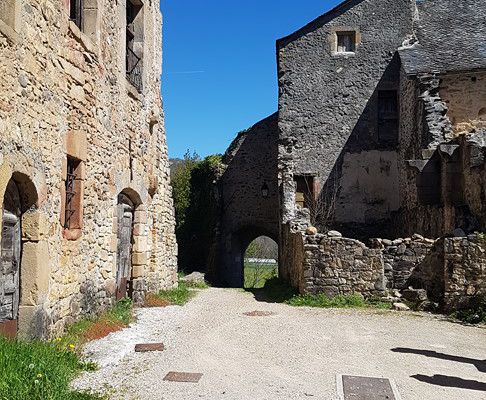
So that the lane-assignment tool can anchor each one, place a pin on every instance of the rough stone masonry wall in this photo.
(323, 95)
(251, 166)
(451, 270)
(62, 92)
(401, 257)
(464, 270)
(340, 266)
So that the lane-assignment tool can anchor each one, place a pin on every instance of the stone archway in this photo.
(131, 252)
(24, 261)
(260, 262)
(235, 247)
(10, 257)
(248, 199)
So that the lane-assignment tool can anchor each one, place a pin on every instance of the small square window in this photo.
(346, 42)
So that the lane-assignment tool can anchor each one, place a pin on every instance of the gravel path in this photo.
(293, 354)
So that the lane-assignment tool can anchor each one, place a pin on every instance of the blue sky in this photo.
(220, 66)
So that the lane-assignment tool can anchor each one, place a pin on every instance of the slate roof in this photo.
(451, 37)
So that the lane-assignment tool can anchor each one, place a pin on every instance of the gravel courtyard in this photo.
(295, 353)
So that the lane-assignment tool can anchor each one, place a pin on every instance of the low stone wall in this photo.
(451, 270)
(341, 266)
(401, 257)
(464, 269)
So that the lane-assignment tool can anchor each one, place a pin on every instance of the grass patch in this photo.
(88, 329)
(197, 285)
(39, 371)
(348, 301)
(177, 296)
(256, 275)
(278, 291)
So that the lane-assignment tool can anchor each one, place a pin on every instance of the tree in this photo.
(181, 171)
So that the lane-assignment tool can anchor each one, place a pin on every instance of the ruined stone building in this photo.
(87, 214)
(380, 132)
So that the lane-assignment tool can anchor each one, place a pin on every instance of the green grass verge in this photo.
(347, 301)
(39, 371)
(278, 291)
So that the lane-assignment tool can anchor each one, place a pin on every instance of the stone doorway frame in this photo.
(139, 245)
(34, 259)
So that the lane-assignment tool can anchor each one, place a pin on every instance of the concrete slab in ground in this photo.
(292, 353)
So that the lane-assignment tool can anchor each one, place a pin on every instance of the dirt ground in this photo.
(288, 353)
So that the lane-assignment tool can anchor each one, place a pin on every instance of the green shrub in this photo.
(39, 371)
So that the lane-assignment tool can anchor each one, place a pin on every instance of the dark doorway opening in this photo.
(125, 211)
(11, 249)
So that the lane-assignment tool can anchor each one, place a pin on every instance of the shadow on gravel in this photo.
(274, 291)
(479, 364)
(451, 381)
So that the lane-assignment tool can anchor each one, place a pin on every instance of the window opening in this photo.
(388, 116)
(304, 193)
(76, 12)
(346, 42)
(134, 51)
(72, 191)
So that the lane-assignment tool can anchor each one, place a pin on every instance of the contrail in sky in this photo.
(185, 72)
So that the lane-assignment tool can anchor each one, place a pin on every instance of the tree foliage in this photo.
(181, 185)
(194, 186)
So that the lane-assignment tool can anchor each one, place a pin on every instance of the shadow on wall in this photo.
(362, 187)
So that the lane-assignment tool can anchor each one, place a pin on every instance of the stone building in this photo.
(381, 131)
(84, 177)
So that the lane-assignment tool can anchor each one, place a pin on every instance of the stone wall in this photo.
(401, 257)
(464, 270)
(328, 103)
(248, 194)
(335, 266)
(451, 270)
(64, 93)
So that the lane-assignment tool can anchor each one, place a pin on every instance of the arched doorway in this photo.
(260, 262)
(11, 249)
(125, 210)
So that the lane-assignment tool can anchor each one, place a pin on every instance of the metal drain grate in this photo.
(259, 314)
(366, 388)
(147, 347)
(183, 377)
